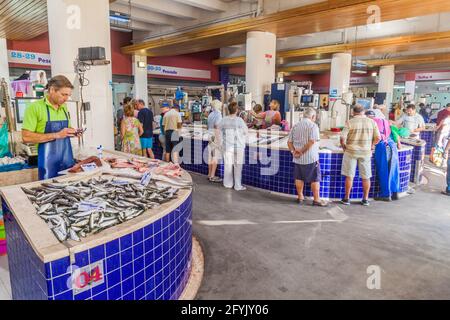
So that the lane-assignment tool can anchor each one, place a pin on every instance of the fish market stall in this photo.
(106, 233)
(268, 163)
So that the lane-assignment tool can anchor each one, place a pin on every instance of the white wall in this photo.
(65, 39)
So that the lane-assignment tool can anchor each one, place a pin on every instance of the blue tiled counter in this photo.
(428, 136)
(270, 167)
(418, 158)
(147, 258)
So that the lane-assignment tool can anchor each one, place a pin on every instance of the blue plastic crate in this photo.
(12, 167)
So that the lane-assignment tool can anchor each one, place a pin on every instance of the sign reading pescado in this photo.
(178, 72)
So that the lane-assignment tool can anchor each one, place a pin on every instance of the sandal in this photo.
(320, 204)
(300, 201)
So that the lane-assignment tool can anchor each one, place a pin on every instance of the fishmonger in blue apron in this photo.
(47, 123)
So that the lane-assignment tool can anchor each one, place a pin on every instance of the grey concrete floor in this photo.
(259, 245)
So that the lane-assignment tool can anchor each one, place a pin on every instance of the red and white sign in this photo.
(432, 76)
(86, 278)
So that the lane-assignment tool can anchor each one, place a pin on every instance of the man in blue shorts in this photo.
(145, 117)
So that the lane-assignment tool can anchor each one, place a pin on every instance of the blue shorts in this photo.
(146, 143)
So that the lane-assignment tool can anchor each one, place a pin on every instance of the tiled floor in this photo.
(5, 287)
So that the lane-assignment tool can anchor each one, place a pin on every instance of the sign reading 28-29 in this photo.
(23, 57)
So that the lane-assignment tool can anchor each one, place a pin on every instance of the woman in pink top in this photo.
(270, 117)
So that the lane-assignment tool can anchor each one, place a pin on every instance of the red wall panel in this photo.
(237, 70)
(121, 63)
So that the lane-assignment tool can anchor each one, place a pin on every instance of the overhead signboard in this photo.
(432, 76)
(178, 72)
(24, 57)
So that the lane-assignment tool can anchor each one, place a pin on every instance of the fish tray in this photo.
(44, 242)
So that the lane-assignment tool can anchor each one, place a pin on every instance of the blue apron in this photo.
(54, 156)
(387, 164)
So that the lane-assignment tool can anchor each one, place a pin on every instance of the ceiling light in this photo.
(141, 64)
(374, 74)
(443, 83)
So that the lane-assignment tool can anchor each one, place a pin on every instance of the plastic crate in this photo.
(12, 167)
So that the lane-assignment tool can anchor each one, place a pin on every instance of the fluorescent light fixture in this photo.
(443, 83)
(399, 87)
(141, 64)
(374, 74)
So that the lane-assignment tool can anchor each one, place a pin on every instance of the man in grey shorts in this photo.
(304, 145)
(359, 137)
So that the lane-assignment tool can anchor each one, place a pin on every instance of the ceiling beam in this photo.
(209, 5)
(143, 15)
(141, 26)
(399, 61)
(435, 40)
(167, 7)
(319, 17)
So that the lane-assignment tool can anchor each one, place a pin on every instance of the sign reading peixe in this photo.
(433, 76)
(23, 57)
(178, 72)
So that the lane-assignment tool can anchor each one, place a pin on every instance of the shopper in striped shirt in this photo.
(358, 139)
(304, 145)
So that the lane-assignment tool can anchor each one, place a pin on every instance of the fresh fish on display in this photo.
(8, 161)
(73, 210)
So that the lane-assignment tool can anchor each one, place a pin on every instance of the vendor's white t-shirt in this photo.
(412, 122)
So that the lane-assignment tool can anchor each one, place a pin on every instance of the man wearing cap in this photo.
(386, 160)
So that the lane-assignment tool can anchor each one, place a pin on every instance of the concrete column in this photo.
(75, 24)
(260, 65)
(140, 89)
(341, 65)
(4, 67)
(386, 85)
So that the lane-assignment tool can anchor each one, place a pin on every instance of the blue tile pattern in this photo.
(429, 137)
(273, 171)
(130, 263)
(417, 163)
(27, 271)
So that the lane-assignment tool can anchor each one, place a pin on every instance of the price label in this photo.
(120, 182)
(89, 167)
(86, 278)
(146, 178)
(85, 206)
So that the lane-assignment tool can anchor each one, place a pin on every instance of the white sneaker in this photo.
(240, 189)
